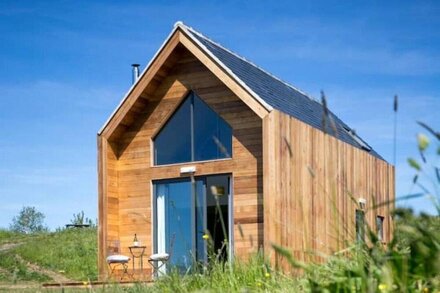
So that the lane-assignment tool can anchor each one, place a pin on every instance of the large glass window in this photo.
(173, 143)
(193, 133)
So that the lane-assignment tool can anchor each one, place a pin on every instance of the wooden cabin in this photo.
(207, 147)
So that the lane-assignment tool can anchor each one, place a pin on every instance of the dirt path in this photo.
(56, 277)
(8, 246)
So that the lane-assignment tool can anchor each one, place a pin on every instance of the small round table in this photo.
(138, 252)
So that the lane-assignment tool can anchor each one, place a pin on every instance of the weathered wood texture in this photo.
(312, 182)
(130, 170)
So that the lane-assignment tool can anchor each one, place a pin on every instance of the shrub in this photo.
(29, 220)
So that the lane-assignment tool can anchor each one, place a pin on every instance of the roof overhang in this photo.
(182, 34)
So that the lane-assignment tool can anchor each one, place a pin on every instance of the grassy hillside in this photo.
(409, 264)
(67, 254)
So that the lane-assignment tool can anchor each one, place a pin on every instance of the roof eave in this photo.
(133, 86)
(188, 32)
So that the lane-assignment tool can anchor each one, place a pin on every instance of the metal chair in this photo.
(115, 260)
(158, 260)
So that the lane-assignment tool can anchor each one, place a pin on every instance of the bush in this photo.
(29, 220)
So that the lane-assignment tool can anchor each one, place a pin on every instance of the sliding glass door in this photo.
(184, 211)
(174, 221)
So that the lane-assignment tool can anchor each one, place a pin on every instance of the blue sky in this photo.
(65, 65)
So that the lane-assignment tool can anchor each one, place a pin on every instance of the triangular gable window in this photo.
(194, 132)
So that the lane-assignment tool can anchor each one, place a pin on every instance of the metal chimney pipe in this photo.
(135, 72)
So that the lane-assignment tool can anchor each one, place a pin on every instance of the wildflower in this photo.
(267, 275)
(205, 236)
(425, 290)
(258, 284)
(85, 283)
(382, 287)
(61, 271)
(423, 141)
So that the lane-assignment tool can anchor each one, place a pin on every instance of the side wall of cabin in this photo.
(127, 171)
(312, 182)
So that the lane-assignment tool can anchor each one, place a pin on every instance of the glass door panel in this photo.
(217, 213)
(185, 210)
(179, 221)
(200, 189)
(174, 219)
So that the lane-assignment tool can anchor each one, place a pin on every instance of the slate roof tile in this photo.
(280, 95)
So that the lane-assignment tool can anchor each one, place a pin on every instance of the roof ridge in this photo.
(191, 34)
(333, 115)
(180, 23)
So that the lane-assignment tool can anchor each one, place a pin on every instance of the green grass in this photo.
(242, 276)
(72, 252)
(7, 236)
(410, 263)
(13, 269)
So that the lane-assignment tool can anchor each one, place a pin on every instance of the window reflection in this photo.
(194, 132)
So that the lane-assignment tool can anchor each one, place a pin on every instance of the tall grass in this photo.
(409, 263)
(7, 236)
(13, 270)
(70, 252)
(253, 274)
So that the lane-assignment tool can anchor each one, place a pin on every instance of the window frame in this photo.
(188, 94)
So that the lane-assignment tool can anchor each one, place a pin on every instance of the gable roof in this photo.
(279, 94)
(268, 90)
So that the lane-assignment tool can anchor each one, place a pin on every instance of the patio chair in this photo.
(115, 260)
(158, 260)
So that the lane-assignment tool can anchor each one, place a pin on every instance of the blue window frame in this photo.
(194, 132)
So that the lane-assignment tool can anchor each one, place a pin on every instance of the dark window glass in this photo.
(173, 143)
(194, 133)
(360, 225)
(212, 135)
(379, 227)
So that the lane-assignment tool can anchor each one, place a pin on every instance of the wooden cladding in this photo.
(312, 183)
(309, 183)
(128, 170)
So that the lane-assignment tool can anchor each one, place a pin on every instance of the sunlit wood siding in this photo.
(312, 183)
(131, 171)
